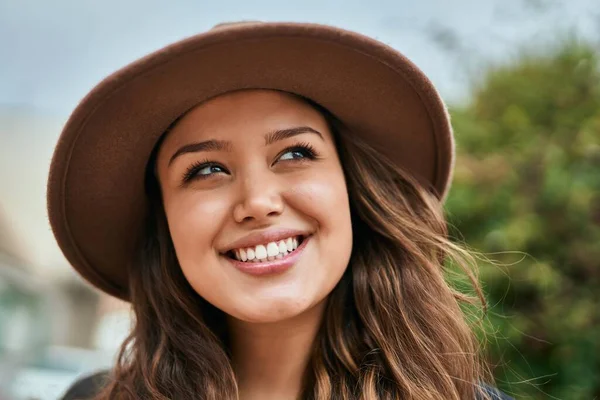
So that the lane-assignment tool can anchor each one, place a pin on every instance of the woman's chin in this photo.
(276, 310)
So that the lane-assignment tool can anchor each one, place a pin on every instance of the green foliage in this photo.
(527, 188)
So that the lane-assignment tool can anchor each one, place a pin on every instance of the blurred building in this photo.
(53, 326)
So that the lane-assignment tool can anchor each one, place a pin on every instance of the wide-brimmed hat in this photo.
(96, 195)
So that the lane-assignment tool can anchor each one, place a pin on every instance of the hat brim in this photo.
(96, 197)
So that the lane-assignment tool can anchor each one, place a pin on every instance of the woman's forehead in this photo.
(249, 112)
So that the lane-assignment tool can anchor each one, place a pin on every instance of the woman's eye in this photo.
(297, 153)
(209, 169)
(290, 155)
(202, 171)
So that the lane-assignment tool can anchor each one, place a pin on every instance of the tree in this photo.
(527, 180)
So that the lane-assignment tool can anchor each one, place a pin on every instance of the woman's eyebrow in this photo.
(223, 145)
(281, 134)
(207, 145)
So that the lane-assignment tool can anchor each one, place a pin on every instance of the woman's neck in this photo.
(270, 359)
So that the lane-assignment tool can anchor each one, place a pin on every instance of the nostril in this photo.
(258, 205)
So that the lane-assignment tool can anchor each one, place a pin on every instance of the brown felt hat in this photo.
(96, 194)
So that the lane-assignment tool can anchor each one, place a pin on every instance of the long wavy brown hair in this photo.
(393, 327)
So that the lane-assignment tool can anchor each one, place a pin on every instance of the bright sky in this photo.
(53, 52)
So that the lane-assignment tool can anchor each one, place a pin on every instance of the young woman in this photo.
(269, 198)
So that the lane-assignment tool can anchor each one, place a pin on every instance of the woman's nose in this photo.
(259, 199)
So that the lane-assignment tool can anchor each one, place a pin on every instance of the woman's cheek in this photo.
(323, 197)
(193, 220)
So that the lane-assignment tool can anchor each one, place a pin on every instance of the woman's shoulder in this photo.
(87, 387)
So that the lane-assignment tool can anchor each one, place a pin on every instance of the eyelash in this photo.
(303, 147)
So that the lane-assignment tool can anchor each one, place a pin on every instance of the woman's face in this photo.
(257, 204)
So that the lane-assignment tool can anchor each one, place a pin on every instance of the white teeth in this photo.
(272, 249)
(261, 252)
(282, 247)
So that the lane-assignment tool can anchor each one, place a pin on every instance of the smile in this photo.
(270, 258)
(276, 250)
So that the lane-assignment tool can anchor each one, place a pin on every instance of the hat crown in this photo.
(223, 25)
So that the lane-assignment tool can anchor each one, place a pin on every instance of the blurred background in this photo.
(522, 80)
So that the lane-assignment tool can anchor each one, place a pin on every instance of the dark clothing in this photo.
(87, 388)
(493, 393)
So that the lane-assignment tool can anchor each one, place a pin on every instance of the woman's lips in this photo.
(276, 266)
